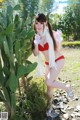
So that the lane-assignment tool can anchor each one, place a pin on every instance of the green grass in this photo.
(71, 70)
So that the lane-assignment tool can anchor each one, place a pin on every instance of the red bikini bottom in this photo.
(59, 58)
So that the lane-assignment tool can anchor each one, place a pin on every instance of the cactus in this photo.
(15, 41)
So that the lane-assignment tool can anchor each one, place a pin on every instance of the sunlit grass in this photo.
(71, 70)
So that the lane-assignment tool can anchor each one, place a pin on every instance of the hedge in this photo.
(71, 44)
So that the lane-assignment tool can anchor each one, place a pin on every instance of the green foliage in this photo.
(35, 104)
(46, 6)
(17, 7)
(15, 48)
(71, 44)
(2, 96)
(36, 98)
(70, 20)
(22, 70)
(12, 79)
(29, 8)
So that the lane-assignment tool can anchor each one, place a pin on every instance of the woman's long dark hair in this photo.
(42, 18)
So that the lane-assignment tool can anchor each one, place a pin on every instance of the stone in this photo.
(78, 107)
(66, 116)
(62, 108)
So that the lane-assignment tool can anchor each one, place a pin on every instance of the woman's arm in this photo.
(35, 50)
(58, 39)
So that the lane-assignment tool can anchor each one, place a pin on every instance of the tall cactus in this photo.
(15, 39)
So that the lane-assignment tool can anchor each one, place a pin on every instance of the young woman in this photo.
(48, 42)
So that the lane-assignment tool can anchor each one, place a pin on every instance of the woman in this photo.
(48, 42)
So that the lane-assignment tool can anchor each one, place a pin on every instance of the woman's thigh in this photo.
(47, 70)
(54, 72)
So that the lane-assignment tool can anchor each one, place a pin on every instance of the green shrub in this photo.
(71, 44)
(35, 104)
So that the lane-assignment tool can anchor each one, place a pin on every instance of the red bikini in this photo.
(43, 48)
(46, 47)
(59, 58)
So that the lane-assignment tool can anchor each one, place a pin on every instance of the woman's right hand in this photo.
(37, 39)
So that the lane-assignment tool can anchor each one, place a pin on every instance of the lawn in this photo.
(71, 70)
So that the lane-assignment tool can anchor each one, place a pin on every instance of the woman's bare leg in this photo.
(49, 89)
(51, 81)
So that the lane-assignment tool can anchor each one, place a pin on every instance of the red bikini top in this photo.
(43, 48)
